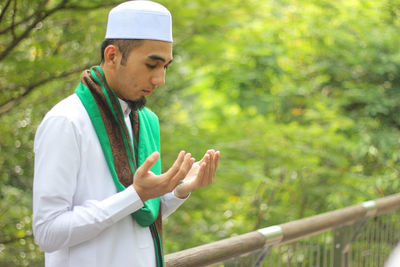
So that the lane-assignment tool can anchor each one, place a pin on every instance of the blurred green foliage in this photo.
(300, 97)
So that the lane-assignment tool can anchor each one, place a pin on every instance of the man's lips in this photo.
(147, 92)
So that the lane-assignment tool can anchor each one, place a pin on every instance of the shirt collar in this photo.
(125, 107)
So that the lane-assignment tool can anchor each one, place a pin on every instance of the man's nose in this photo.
(159, 78)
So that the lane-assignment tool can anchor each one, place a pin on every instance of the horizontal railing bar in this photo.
(284, 233)
(217, 251)
(387, 204)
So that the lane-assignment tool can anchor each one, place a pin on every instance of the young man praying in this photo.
(99, 195)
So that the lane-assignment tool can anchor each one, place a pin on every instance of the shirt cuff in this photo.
(170, 203)
(173, 193)
(122, 204)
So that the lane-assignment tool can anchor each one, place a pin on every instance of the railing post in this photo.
(343, 239)
(340, 241)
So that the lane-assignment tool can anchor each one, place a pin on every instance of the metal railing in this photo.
(362, 235)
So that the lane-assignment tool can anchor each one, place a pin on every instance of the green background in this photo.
(300, 96)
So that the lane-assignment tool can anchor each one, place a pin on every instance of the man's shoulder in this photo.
(70, 108)
(66, 120)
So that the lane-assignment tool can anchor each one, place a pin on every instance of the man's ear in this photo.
(111, 55)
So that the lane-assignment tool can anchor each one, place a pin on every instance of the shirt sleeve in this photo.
(169, 203)
(57, 221)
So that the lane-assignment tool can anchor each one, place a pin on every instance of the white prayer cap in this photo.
(139, 20)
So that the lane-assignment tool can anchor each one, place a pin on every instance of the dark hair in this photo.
(124, 45)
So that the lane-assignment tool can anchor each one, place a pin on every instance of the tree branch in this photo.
(67, 7)
(25, 19)
(7, 105)
(13, 20)
(5, 30)
(62, 6)
(86, 8)
(25, 34)
(4, 10)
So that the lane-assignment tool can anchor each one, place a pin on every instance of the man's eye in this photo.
(151, 66)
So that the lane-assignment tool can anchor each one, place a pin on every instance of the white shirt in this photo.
(79, 219)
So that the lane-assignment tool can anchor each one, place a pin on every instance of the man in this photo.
(98, 193)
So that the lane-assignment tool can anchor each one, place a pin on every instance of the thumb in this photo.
(148, 163)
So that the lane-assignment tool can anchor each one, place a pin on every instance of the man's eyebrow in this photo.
(156, 57)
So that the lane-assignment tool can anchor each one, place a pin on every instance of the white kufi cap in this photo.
(139, 20)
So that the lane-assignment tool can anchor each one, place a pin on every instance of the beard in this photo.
(136, 104)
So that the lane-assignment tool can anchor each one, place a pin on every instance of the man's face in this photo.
(144, 69)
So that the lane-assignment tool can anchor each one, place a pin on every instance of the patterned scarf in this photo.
(103, 107)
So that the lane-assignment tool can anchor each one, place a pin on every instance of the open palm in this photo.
(201, 174)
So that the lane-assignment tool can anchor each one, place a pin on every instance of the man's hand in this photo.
(201, 174)
(148, 185)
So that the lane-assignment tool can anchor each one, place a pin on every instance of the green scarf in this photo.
(103, 107)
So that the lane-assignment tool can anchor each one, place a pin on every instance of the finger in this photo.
(216, 159)
(205, 154)
(201, 175)
(212, 167)
(184, 168)
(215, 165)
(148, 163)
(207, 167)
(175, 167)
(192, 161)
